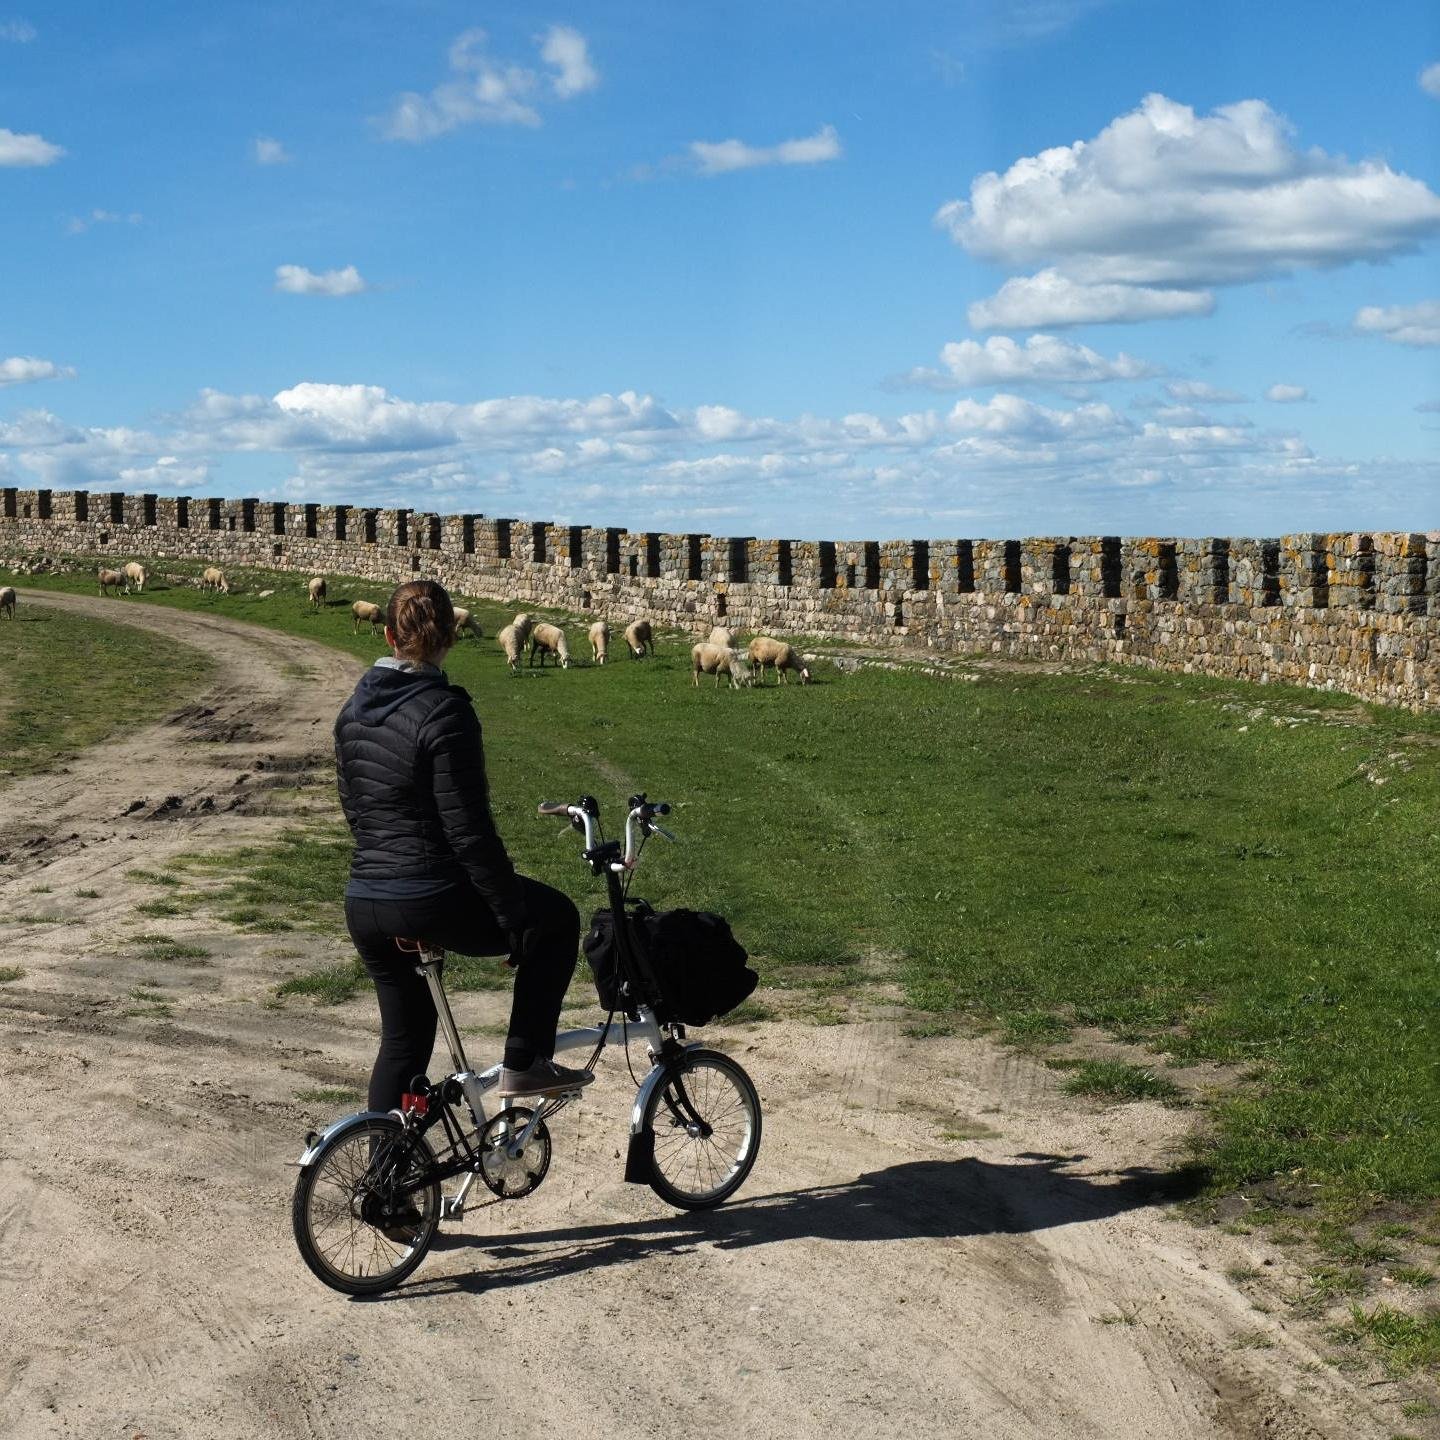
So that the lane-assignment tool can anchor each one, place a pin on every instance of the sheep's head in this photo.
(804, 674)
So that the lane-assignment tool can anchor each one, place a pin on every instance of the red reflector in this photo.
(416, 1104)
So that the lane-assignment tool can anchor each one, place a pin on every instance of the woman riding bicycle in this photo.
(429, 864)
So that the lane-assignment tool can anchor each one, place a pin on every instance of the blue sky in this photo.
(1024, 266)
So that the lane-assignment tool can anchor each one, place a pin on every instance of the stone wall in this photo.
(1357, 613)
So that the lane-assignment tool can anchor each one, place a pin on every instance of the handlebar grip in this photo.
(553, 807)
(662, 808)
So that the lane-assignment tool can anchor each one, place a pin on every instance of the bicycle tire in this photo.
(337, 1175)
(702, 1086)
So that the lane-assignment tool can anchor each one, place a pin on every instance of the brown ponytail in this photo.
(421, 618)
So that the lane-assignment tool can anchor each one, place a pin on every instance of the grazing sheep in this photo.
(112, 579)
(366, 614)
(511, 644)
(7, 600)
(523, 625)
(214, 579)
(722, 637)
(718, 660)
(317, 591)
(549, 640)
(135, 575)
(464, 621)
(781, 657)
(599, 641)
(639, 638)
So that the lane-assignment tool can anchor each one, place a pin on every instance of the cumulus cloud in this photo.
(1287, 394)
(1049, 298)
(268, 151)
(1405, 324)
(721, 157)
(297, 280)
(1164, 197)
(1041, 360)
(1200, 392)
(25, 369)
(79, 224)
(1430, 80)
(17, 32)
(27, 150)
(485, 91)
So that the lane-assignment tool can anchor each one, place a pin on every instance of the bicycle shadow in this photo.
(921, 1199)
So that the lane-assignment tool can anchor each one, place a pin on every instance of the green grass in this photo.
(72, 682)
(1141, 853)
(166, 950)
(1115, 1080)
(1405, 1342)
(11, 972)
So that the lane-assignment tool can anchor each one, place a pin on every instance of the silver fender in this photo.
(647, 1088)
(315, 1139)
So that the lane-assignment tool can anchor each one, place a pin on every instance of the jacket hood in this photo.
(383, 689)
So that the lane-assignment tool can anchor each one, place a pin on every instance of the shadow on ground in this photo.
(923, 1199)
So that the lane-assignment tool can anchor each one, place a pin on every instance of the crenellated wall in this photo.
(1352, 612)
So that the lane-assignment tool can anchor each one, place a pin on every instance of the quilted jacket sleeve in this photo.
(451, 737)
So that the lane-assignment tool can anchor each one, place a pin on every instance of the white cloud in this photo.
(489, 92)
(23, 369)
(268, 151)
(1041, 360)
(1049, 298)
(79, 224)
(1199, 392)
(567, 54)
(720, 157)
(1430, 79)
(1287, 394)
(18, 150)
(1163, 197)
(1417, 324)
(297, 280)
(17, 32)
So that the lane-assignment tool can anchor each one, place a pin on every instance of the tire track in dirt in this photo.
(873, 1274)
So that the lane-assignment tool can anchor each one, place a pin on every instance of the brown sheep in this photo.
(112, 579)
(365, 613)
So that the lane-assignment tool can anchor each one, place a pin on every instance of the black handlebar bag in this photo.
(698, 964)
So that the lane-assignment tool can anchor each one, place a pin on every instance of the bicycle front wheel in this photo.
(702, 1126)
(360, 1221)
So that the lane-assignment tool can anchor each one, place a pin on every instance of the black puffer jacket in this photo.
(412, 784)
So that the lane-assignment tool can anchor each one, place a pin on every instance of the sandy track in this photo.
(934, 1240)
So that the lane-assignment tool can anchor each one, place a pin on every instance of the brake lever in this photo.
(661, 830)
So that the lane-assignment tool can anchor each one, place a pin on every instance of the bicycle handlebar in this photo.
(640, 822)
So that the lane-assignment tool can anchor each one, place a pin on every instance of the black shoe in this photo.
(543, 1077)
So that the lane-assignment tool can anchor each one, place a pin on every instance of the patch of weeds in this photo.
(10, 972)
(1033, 1027)
(154, 877)
(1392, 1230)
(256, 921)
(87, 894)
(1122, 1315)
(328, 1095)
(158, 1010)
(1417, 1409)
(820, 1012)
(928, 1029)
(1405, 1342)
(968, 1130)
(1239, 1274)
(750, 1012)
(40, 889)
(279, 953)
(1325, 1284)
(1414, 1275)
(41, 920)
(166, 907)
(1116, 1080)
(165, 950)
(1252, 1340)
(331, 984)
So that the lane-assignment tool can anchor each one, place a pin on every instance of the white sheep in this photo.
(214, 579)
(465, 621)
(317, 591)
(511, 644)
(523, 625)
(7, 600)
(549, 640)
(135, 575)
(639, 638)
(718, 660)
(365, 613)
(722, 637)
(780, 656)
(112, 579)
(599, 641)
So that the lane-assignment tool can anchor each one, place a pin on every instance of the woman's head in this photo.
(420, 622)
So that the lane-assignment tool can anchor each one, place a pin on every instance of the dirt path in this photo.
(935, 1241)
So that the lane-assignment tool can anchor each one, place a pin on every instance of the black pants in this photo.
(459, 920)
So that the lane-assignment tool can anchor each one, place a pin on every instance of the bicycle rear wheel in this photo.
(702, 1127)
(355, 1230)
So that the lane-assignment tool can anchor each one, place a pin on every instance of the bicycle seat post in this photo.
(428, 963)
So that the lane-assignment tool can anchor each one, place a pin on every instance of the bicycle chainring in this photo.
(509, 1173)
